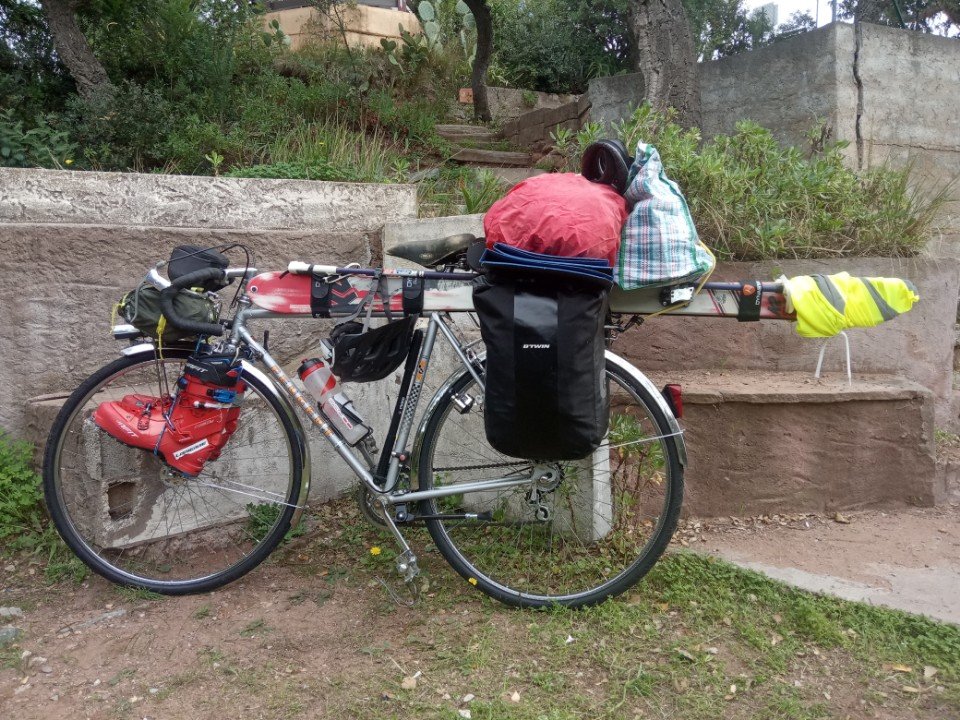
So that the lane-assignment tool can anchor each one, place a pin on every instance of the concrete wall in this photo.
(786, 86)
(770, 442)
(893, 94)
(613, 99)
(364, 26)
(911, 103)
(535, 127)
(74, 242)
(509, 103)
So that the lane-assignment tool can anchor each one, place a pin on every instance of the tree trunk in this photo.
(667, 58)
(872, 11)
(478, 81)
(73, 49)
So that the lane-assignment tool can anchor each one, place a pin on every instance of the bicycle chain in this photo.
(478, 467)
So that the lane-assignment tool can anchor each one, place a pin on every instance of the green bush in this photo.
(558, 45)
(753, 199)
(21, 503)
(41, 146)
(24, 526)
(123, 129)
(296, 171)
(459, 191)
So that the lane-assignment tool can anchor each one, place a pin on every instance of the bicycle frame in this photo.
(408, 403)
(375, 290)
(443, 298)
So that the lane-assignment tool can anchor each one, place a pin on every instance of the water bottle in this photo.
(335, 406)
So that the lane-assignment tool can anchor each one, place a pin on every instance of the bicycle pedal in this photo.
(407, 565)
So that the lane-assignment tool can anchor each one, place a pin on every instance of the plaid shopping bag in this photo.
(659, 243)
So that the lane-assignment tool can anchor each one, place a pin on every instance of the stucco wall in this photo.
(892, 94)
(786, 87)
(73, 243)
(363, 26)
(911, 102)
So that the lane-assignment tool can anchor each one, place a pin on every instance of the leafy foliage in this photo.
(32, 82)
(479, 196)
(724, 27)
(459, 191)
(24, 526)
(41, 146)
(753, 199)
(21, 507)
(930, 16)
(558, 45)
(198, 81)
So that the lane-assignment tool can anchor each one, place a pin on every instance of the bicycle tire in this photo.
(204, 543)
(477, 550)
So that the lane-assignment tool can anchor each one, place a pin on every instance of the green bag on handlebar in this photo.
(141, 308)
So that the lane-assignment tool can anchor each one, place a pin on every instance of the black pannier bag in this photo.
(546, 391)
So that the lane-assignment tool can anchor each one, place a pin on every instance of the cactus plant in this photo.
(426, 11)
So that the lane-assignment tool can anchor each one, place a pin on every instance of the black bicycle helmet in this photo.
(360, 356)
(607, 162)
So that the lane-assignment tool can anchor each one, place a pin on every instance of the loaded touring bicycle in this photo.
(527, 532)
(547, 469)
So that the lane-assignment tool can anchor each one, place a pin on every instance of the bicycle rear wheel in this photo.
(137, 522)
(590, 536)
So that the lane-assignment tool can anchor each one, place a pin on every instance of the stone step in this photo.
(470, 133)
(511, 176)
(477, 156)
(768, 442)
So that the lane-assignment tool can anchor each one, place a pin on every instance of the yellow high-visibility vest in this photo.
(827, 304)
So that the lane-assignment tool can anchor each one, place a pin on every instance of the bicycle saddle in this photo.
(434, 251)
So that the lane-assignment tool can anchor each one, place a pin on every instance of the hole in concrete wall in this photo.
(121, 498)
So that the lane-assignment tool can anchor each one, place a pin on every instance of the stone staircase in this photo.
(481, 147)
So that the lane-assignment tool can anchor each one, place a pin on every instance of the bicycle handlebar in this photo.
(166, 302)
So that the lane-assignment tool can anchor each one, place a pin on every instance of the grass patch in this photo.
(698, 639)
(329, 150)
(25, 529)
(134, 594)
(254, 628)
(459, 191)
(262, 518)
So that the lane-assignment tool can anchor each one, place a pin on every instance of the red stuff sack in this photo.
(560, 214)
(187, 430)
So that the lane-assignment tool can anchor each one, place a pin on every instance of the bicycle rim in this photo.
(591, 536)
(135, 521)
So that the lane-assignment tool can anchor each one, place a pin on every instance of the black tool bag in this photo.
(546, 391)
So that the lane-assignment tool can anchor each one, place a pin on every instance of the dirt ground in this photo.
(315, 637)
(908, 559)
(276, 640)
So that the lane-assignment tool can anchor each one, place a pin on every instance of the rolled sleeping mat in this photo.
(607, 162)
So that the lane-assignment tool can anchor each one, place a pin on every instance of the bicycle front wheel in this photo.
(590, 535)
(137, 522)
